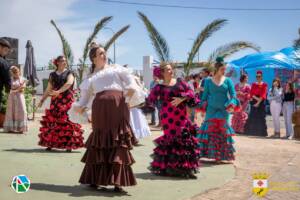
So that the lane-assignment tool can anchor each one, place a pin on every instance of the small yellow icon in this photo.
(260, 184)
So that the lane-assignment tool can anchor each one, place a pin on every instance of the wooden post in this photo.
(296, 114)
(34, 103)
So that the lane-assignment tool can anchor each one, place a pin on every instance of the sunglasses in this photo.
(258, 76)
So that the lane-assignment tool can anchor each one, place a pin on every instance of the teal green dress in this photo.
(215, 133)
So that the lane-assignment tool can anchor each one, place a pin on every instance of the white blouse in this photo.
(112, 77)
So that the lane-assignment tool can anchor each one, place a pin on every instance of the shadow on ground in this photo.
(75, 190)
(150, 176)
(38, 151)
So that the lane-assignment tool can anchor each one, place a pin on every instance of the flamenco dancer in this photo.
(243, 94)
(57, 131)
(218, 100)
(107, 158)
(177, 151)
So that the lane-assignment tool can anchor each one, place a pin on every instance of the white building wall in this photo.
(43, 74)
(147, 70)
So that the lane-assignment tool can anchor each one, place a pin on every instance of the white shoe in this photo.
(290, 137)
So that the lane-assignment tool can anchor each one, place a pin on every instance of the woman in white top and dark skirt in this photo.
(275, 100)
(108, 159)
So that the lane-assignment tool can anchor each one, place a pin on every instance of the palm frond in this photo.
(296, 45)
(202, 36)
(231, 48)
(297, 41)
(158, 41)
(67, 51)
(115, 37)
(99, 25)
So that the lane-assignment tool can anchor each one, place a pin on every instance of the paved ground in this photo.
(277, 157)
(54, 175)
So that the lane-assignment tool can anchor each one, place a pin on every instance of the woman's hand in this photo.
(256, 98)
(256, 105)
(197, 90)
(80, 109)
(130, 93)
(40, 104)
(177, 100)
(230, 110)
(54, 93)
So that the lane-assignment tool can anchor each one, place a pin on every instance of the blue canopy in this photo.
(271, 63)
(283, 59)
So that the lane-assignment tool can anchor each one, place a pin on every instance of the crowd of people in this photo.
(194, 114)
(250, 119)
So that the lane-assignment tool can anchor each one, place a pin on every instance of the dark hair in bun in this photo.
(243, 77)
(219, 63)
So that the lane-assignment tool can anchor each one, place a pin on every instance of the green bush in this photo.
(29, 90)
(3, 103)
(28, 100)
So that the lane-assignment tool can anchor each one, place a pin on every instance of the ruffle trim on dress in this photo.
(233, 104)
(176, 153)
(216, 140)
(108, 174)
(121, 136)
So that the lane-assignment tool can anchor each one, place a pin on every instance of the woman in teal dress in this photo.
(218, 101)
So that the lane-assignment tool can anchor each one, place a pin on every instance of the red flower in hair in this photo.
(259, 72)
(156, 71)
(54, 62)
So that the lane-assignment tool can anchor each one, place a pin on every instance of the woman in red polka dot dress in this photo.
(177, 151)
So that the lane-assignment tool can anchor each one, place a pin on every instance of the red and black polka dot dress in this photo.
(177, 150)
(57, 131)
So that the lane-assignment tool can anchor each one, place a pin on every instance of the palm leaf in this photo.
(297, 44)
(158, 41)
(115, 37)
(67, 51)
(202, 36)
(231, 48)
(99, 25)
(297, 48)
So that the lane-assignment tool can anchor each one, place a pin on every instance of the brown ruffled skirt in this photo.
(108, 159)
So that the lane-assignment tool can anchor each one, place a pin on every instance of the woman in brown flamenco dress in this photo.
(107, 158)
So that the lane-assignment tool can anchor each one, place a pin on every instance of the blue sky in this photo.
(272, 30)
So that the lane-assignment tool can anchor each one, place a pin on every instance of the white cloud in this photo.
(30, 20)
